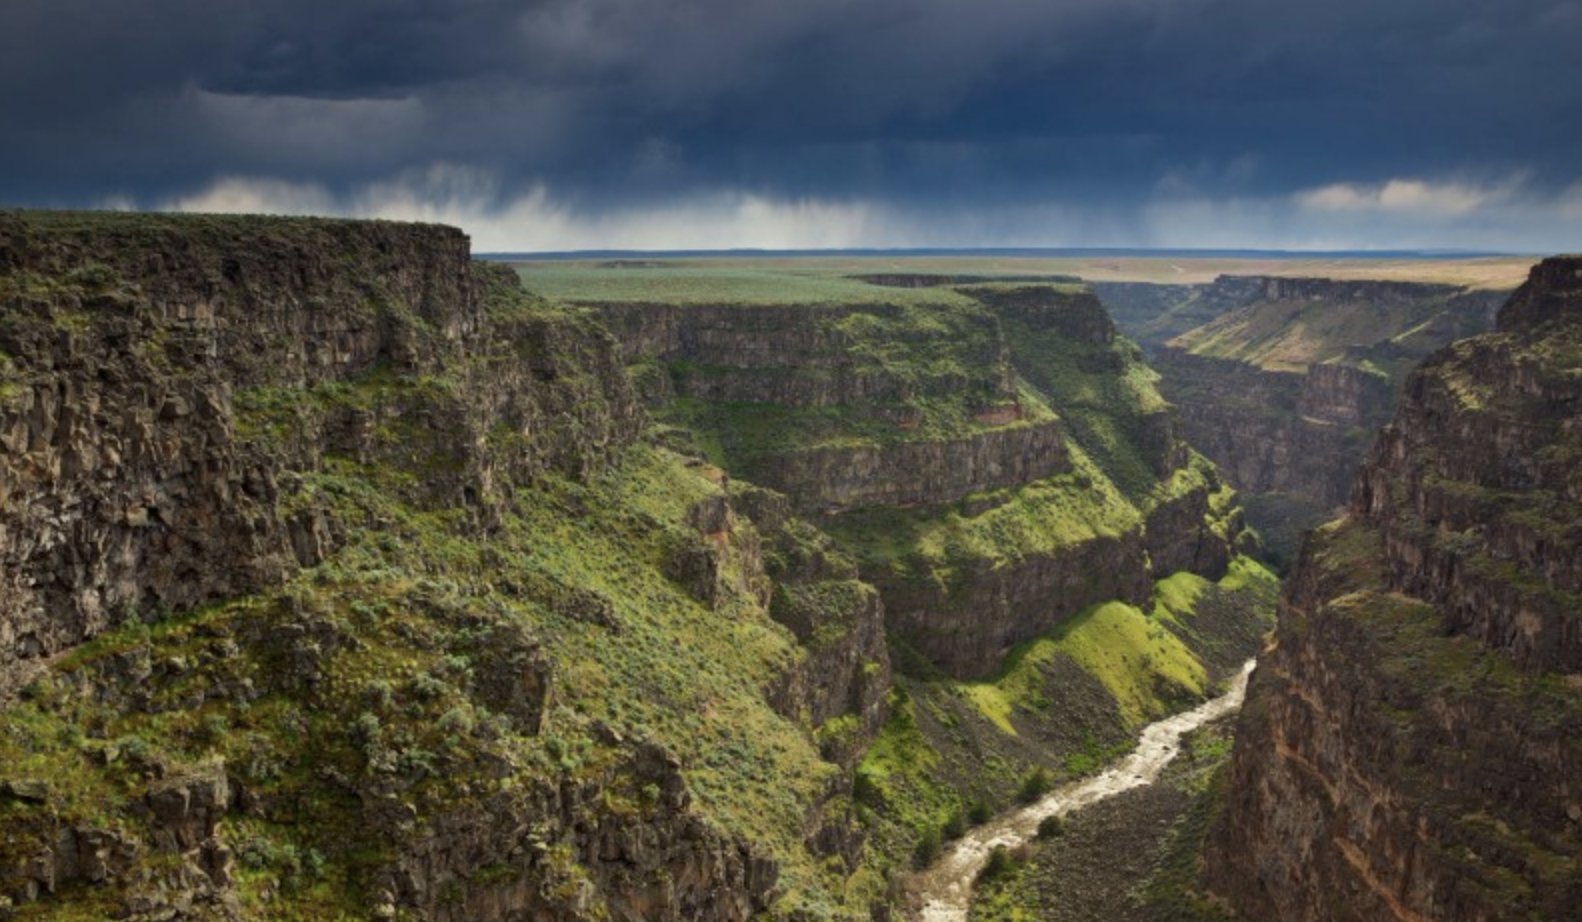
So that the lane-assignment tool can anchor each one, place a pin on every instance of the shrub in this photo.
(1034, 786)
(1000, 864)
(956, 825)
(980, 813)
(928, 847)
(1051, 827)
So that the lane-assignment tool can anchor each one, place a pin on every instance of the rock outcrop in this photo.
(126, 488)
(1152, 314)
(1410, 749)
(340, 579)
(1285, 387)
(939, 443)
(846, 405)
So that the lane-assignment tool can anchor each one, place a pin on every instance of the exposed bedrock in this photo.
(341, 509)
(1285, 387)
(1410, 748)
(126, 487)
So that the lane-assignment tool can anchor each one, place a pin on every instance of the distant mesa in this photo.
(942, 280)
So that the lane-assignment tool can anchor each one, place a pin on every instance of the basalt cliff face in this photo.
(1410, 748)
(340, 579)
(847, 405)
(996, 465)
(1285, 389)
(126, 487)
(1152, 314)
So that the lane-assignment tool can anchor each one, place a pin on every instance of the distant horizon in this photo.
(1446, 253)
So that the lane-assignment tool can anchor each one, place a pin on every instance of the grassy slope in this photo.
(1291, 335)
(1104, 393)
(1065, 703)
(411, 602)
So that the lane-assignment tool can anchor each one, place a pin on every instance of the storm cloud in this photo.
(568, 123)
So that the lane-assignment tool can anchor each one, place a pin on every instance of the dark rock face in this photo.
(919, 408)
(165, 388)
(663, 863)
(125, 485)
(1286, 406)
(1295, 434)
(832, 359)
(1153, 314)
(917, 473)
(1410, 746)
(968, 627)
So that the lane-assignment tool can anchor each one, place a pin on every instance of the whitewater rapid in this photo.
(946, 887)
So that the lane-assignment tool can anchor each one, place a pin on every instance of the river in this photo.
(946, 887)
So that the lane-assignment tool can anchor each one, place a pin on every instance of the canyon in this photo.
(344, 576)
(348, 576)
(1409, 749)
(1283, 382)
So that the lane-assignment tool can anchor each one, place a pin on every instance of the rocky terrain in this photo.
(995, 465)
(345, 578)
(1152, 313)
(340, 580)
(1057, 567)
(1410, 750)
(1285, 383)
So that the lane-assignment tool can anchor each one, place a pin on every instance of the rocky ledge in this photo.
(1411, 741)
(1285, 388)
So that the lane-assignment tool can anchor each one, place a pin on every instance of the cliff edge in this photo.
(1410, 747)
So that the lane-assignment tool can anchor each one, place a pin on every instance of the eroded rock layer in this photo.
(340, 581)
(1285, 386)
(1410, 749)
(997, 462)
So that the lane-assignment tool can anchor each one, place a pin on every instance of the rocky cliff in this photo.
(846, 405)
(341, 580)
(996, 462)
(1285, 390)
(1055, 565)
(1152, 314)
(1410, 746)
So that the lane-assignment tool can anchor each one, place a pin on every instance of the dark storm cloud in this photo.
(926, 103)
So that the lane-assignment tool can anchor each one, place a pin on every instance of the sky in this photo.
(669, 124)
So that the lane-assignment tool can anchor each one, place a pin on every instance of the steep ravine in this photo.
(996, 462)
(345, 578)
(944, 891)
(340, 580)
(1284, 381)
(1057, 567)
(1412, 739)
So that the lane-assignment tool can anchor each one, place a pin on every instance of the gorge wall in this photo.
(1410, 749)
(1056, 566)
(1285, 387)
(996, 462)
(340, 579)
(343, 577)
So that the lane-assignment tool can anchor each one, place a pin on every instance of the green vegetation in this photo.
(419, 597)
(1085, 687)
(737, 281)
(1107, 397)
(875, 376)
(445, 663)
(505, 616)
(1291, 335)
